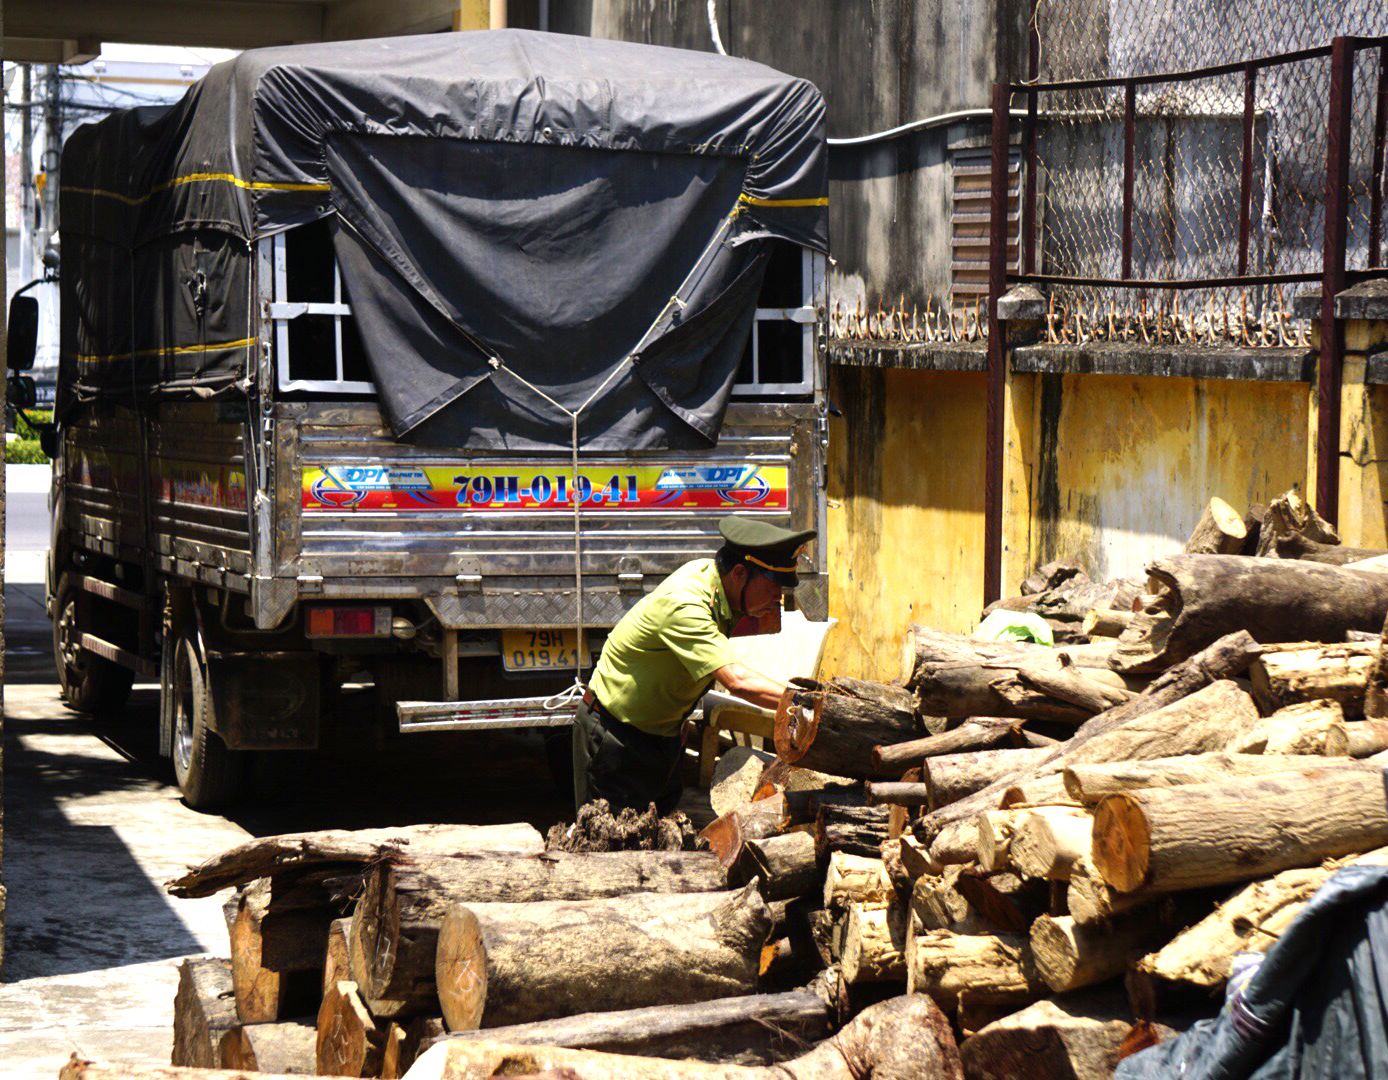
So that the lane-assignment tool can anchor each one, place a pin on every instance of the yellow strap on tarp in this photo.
(167, 350)
(197, 178)
(752, 200)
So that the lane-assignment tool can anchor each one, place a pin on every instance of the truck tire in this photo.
(208, 774)
(89, 683)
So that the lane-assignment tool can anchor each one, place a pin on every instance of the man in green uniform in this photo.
(663, 656)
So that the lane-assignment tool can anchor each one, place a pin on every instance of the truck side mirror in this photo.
(22, 392)
(23, 339)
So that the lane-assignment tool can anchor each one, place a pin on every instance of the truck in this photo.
(416, 363)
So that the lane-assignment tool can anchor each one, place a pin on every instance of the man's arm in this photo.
(751, 685)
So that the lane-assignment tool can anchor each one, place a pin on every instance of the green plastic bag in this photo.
(1015, 626)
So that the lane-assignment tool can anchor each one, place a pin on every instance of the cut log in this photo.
(971, 735)
(924, 648)
(736, 777)
(204, 1011)
(393, 1052)
(1376, 689)
(855, 879)
(993, 968)
(995, 829)
(1285, 675)
(1298, 547)
(1106, 623)
(1220, 531)
(1273, 599)
(400, 1053)
(1308, 728)
(953, 777)
(874, 943)
(1226, 658)
(1089, 899)
(1367, 737)
(784, 865)
(290, 1047)
(1070, 955)
(293, 852)
(938, 904)
(894, 866)
(396, 923)
(1075, 1037)
(991, 689)
(1213, 834)
(1005, 902)
(802, 807)
(957, 842)
(760, 1029)
(1091, 691)
(896, 792)
(276, 960)
(1049, 840)
(915, 858)
(1197, 962)
(1087, 784)
(1048, 789)
(79, 1068)
(899, 1038)
(337, 963)
(1290, 515)
(515, 963)
(837, 732)
(1206, 721)
(750, 821)
(857, 830)
(349, 1043)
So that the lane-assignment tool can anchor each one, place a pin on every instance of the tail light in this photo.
(349, 622)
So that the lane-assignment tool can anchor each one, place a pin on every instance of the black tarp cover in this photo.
(514, 214)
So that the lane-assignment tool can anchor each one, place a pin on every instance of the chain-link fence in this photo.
(1216, 182)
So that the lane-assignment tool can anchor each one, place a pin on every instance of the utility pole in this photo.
(26, 175)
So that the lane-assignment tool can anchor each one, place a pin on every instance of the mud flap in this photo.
(265, 700)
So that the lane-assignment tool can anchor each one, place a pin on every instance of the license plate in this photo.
(540, 650)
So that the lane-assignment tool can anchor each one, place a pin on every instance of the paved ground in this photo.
(93, 826)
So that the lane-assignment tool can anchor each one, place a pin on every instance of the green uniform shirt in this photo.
(660, 659)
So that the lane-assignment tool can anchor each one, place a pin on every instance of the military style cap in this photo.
(769, 548)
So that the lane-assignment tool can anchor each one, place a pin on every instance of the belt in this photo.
(597, 707)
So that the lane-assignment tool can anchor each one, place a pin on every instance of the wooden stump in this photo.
(290, 1047)
(874, 943)
(1213, 834)
(204, 1011)
(349, 1043)
(515, 963)
(396, 923)
(1220, 531)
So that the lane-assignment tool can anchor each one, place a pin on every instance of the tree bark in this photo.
(1077, 1037)
(1070, 955)
(337, 963)
(289, 1047)
(1226, 658)
(897, 1039)
(1197, 961)
(1206, 721)
(514, 963)
(1306, 729)
(993, 968)
(924, 647)
(760, 1029)
(874, 943)
(349, 1043)
(1166, 839)
(1049, 840)
(971, 735)
(204, 1011)
(855, 879)
(1089, 690)
(276, 960)
(857, 830)
(396, 923)
(1289, 674)
(1087, 784)
(956, 776)
(785, 865)
(836, 732)
(1220, 531)
(295, 852)
(1273, 599)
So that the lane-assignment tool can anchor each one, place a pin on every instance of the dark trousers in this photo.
(623, 764)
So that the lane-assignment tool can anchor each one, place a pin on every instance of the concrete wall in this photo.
(1364, 435)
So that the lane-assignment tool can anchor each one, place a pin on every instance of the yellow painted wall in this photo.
(1120, 467)
(1363, 441)
(905, 518)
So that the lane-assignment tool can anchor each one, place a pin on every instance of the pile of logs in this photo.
(1017, 860)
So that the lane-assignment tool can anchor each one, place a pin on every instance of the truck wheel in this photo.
(89, 683)
(208, 774)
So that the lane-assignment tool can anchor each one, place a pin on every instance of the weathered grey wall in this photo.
(879, 63)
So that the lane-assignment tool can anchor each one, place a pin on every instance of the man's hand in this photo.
(751, 685)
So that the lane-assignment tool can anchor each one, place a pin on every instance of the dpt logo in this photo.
(740, 484)
(344, 488)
